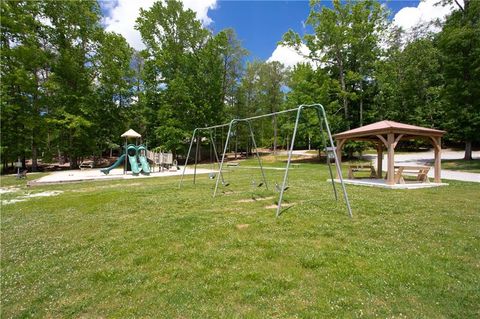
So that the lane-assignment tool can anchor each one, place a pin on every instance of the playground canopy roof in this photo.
(131, 133)
(386, 127)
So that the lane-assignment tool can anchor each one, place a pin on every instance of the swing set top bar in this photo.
(212, 127)
(262, 116)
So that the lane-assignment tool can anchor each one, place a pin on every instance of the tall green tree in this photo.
(24, 70)
(66, 82)
(409, 84)
(74, 35)
(459, 43)
(272, 79)
(233, 55)
(114, 88)
(345, 40)
(183, 72)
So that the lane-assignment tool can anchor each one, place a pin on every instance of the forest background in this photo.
(69, 88)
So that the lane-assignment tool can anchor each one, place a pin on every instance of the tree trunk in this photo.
(236, 145)
(274, 120)
(34, 155)
(468, 151)
(73, 162)
(198, 150)
(60, 157)
(344, 89)
(361, 103)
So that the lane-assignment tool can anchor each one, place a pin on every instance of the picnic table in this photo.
(362, 167)
(420, 170)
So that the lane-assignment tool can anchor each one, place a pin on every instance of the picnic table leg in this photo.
(398, 176)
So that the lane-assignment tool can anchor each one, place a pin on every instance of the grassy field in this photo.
(462, 165)
(144, 248)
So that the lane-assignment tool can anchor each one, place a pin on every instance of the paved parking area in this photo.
(95, 174)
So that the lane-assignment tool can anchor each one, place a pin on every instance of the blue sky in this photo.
(258, 24)
(261, 24)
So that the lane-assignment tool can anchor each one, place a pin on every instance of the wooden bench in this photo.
(233, 163)
(86, 164)
(367, 167)
(22, 174)
(420, 171)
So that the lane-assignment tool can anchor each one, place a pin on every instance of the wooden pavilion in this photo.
(387, 134)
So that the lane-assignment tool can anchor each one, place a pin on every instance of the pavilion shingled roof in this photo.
(385, 127)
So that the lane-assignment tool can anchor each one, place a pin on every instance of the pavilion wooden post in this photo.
(379, 159)
(391, 159)
(437, 145)
(338, 150)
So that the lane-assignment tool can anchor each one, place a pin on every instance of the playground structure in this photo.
(138, 157)
(164, 161)
(133, 153)
(233, 124)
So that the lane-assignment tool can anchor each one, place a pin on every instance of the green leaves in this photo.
(188, 72)
(459, 45)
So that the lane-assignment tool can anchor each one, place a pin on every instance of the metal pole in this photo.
(258, 155)
(125, 165)
(320, 118)
(288, 162)
(223, 157)
(216, 154)
(196, 159)
(319, 106)
(188, 155)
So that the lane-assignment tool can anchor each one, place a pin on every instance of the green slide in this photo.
(143, 161)
(132, 158)
(117, 163)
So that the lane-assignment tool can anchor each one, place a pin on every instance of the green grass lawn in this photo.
(144, 248)
(462, 165)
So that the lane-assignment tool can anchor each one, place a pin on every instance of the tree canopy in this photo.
(69, 88)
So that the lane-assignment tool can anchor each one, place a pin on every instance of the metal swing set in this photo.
(322, 117)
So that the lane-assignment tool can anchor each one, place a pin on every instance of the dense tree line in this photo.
(369, 70)
(69, 88)
(65, 81)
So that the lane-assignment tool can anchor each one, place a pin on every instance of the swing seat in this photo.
(279, 189)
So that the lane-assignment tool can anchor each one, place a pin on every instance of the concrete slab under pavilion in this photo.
(382, 183)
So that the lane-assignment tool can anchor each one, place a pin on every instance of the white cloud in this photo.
(426, 11)
(288, 56)
(121, 17)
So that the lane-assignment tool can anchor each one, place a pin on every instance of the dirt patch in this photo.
(43, 194)
(94, 188)
(12, 201)
(283, 205)
(251, 200)
(28, 196)
(229, 192)
(242, 226)
(5, 190)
